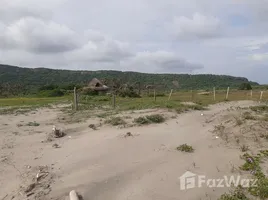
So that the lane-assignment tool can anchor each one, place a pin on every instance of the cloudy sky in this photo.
(157, 36)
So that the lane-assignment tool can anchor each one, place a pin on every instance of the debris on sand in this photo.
(57, 132)
(30, 188)
(128, 134)
(56, 146)
(39, 183)
(92, 126)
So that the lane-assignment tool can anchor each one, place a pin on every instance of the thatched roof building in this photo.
(97, 85)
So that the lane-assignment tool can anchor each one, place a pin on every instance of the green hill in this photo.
(31, 79)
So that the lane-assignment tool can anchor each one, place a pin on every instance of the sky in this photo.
(153, 36)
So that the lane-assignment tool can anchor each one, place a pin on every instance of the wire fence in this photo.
(171, 98)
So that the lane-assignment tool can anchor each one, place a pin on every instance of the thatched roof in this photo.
(96, 84)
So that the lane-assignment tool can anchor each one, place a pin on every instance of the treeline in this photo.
(26, 81)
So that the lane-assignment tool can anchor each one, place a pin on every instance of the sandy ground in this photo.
(103, 164)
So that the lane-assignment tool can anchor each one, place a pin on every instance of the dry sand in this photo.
(102, 164)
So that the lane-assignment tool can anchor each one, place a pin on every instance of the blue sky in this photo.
(173, 36)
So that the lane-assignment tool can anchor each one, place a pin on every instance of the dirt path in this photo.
(102, 164)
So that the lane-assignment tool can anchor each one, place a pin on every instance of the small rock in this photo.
(30, 188)
(128, 134)
(56, 146)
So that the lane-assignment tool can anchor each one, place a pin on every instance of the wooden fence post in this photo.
(170, 94)
(73, 195)
(75, 100)
(154, 95)
(114, 101)
(261, 95)
(251, 94)
(227, 93)
(214, 93)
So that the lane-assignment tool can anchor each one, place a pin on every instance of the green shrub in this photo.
(56, 93)
(89, 91)
(51, 93)
(141, 120)
(185, 148)
(155, 118)
(262, 108)
(48, 87)
(157, 95)
(128, 93)
(248, 116)
(245, 86)
(150, 119)
(115, 121)
(238, 194)
(33, 124)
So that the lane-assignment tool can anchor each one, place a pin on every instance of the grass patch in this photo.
(237, 194)
(18, 102)
(150, 119)
(141, 121)
(260, 189)
(244, 148)
(15, 110)
(262, 108)
(33, 124)
(248, 116)
(185, 148)
(115, 121)
(220, 130)
(238, 121)
(156, 118)
(184, 108)
(252, 164)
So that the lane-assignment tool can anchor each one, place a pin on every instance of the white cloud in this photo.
(101, 48)
(37, 36)
(243, 43)
(162, 61)
(259, 57)
(17, 9)
(199, 26)
(114, 35)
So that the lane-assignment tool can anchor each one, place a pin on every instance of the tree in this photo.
(245, 86)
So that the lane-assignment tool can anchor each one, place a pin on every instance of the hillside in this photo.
(34, 78)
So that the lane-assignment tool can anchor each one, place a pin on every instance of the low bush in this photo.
(185, 148)
(115, 121)
(150, 119)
